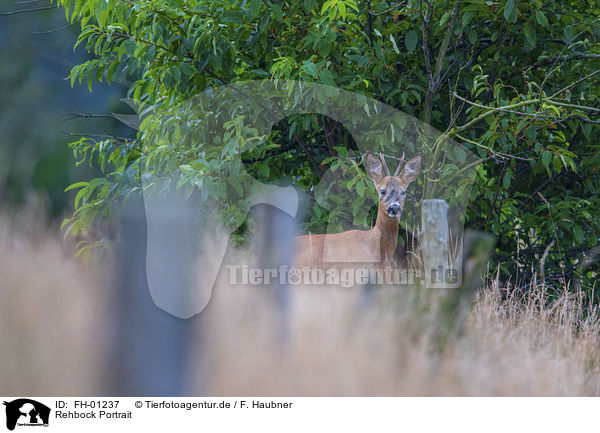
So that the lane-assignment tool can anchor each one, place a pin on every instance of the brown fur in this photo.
(377, 245)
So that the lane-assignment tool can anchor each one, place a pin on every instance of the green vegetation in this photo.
(515, 82)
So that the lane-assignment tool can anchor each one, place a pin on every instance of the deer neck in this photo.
(386, 227)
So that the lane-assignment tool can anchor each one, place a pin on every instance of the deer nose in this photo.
(394, 209)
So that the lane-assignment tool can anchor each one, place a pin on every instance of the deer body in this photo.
(376, 245)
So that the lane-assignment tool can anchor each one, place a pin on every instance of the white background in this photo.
(338, 414)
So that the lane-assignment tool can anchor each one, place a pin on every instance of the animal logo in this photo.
(25, 411)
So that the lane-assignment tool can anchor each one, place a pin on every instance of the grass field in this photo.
(55, 316)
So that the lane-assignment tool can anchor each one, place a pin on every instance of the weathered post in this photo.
(437, 266)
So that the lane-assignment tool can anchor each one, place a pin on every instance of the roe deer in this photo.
(376, 245)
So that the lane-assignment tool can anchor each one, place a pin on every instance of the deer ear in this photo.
(374, 167)
(412, 169)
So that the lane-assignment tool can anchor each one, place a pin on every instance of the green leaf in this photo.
(410, 40)
(546, 157)
(444, 19)
(277, 12)
(394, 44)
(76, 185)
(342, 9)
(129, 46)
(472, 35)
(352, 5)
(264, 169)
(342, 151)
(351, 183)
(508, 8)
(81, 193)
(467, 18)
(90, 79)
(506, 180)
(510, 11)
(111, 70)
(360, 188)
(579, 237)
(530, 35)
(312, 69)
(569, 33)
(324, 47)
(255, 7)
(541, 18)
(233, 17)
(461, 155)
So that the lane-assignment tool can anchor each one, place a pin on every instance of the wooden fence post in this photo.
(439, 271)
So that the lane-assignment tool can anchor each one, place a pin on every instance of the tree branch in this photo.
(82, 115)
(426, 53)
(309, 155)
(489, 149)
(23, 11)
(434, 80)
(28, 1)
(369, 24)
(575, 83)
(562, 59)
(45, 32)
(507, 110)
(445, 43)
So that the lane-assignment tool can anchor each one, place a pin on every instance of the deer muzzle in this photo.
(394, 210)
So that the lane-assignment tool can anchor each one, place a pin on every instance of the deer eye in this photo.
(402, 192)
(383, 192)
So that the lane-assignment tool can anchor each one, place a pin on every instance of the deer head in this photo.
(391, 189)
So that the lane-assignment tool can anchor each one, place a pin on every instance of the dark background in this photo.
(38, 104)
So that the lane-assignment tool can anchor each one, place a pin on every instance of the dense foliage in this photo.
(514, 81)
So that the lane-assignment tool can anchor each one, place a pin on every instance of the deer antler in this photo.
(399, 165)
(382, 158)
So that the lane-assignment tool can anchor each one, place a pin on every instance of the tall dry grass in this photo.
(337, 346)
(53, 313)
(55, 316)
